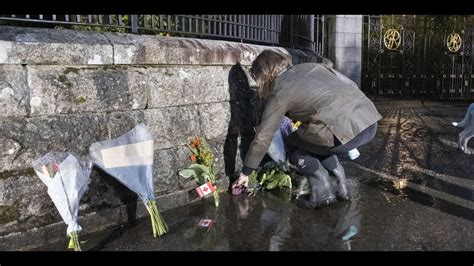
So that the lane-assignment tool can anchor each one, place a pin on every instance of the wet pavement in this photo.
(412, 189)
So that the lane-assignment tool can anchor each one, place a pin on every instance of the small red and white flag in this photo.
(205, 189)
(206, 222)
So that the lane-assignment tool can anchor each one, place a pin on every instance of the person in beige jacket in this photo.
(336, 118)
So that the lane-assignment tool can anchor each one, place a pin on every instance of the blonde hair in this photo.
(266, 67)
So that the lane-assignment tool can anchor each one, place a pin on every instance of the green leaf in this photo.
(187, 173)
(199, 168)
(272, 184)
(263, 179)
(285, 181)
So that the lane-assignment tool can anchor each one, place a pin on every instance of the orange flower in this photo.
(196, 142)
(193, 158)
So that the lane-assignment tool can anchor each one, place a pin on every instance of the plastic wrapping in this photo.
(67, 180)
(129, 159)
(277, 147)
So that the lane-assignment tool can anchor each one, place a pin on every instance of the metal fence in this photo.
(422, 64)
(305, 32)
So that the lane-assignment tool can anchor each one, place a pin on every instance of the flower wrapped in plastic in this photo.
(129, 159)
(67, 180)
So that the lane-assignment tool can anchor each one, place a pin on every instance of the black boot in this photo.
(318, 178)
(333, 165)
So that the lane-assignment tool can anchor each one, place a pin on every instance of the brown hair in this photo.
(266, 67)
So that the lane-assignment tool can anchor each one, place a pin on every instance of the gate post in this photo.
(345, 45)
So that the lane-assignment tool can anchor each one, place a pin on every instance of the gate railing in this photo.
(427, 67)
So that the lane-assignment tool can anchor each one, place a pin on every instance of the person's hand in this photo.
(242, 181)
(240, 185)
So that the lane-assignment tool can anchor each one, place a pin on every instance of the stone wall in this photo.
(62, 90)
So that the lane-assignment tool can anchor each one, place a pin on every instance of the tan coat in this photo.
(326, 102)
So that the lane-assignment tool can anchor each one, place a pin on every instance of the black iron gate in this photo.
(418, 57)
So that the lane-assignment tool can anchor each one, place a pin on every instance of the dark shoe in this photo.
(311, 168)
(333, 165)
(321, 192)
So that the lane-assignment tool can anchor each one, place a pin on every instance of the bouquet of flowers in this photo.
(67, 180)
(271, 176)
(202, 169)
(273, 173)
(129, 158)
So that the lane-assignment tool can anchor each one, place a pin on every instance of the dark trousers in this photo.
(294, 142)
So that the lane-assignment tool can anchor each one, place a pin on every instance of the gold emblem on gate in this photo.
(392, 39)
(454, 42)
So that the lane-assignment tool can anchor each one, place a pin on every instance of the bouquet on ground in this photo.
(202, 168)
(67, 180)
(129, 159)
(271, 176)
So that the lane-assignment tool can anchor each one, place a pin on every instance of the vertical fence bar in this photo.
(318, 19)
(183, 24)
(219, 25)
(212, 25)
(161, 22)
(134, 24)
(226, 24)
(273, 19)
(202, 24)
(230, 21)
(311, 31)
(197, 23)
(247, 27)
(176, 23)
(190, 24)
(168, 23)
(236, 28)
(322, 40)
(291, 31)
(244, 27)
(254, 25)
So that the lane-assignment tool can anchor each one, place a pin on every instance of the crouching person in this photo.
(336, 119)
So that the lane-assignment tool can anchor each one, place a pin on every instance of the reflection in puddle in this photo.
(400, 184)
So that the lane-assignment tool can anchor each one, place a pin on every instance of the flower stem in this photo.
(74, 241)
(158, 224)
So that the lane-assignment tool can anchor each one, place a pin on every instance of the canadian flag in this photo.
(205, 189)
